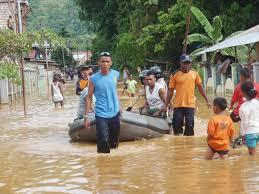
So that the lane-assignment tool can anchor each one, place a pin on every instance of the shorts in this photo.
(220, 152)
(151, 111)
(252, 140)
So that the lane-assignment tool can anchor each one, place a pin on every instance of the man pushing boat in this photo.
(103, 85)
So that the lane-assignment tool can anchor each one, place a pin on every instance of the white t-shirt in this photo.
(249, 114)
(153, 99)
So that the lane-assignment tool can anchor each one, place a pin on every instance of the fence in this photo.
(35, 83)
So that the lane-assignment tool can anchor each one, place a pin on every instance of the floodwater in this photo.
(37, 157)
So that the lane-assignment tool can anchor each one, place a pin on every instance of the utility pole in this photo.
(47, 64)
(21, 58)
(64, 63)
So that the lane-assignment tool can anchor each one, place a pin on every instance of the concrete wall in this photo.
(6, 10)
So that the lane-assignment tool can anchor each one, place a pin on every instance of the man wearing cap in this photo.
(82, 82)
(103, 85)
(184, 82)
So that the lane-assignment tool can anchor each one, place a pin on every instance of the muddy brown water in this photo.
(37, 157)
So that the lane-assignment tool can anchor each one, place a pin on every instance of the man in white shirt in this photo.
(155, 95)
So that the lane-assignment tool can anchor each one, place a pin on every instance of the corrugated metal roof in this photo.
(247, 37)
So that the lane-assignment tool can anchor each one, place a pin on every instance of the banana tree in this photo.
(213, 31)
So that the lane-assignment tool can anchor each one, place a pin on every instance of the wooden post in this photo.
(234, 74)
(4, 91)
(223, 82)
(214, 81)
(257, 51)
(23, 86)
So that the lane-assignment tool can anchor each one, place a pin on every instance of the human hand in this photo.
(244, 140)
(156, 114)
(164, 108)
(209, 104)
(87, 122)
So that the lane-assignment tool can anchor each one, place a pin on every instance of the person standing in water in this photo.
(57, 93)
(220, 130)
(249, 114)
(132, 87)
(184, 83)
(103, 85)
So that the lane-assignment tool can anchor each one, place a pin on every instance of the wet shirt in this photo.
(131, 86)
(153, 98)
(220, 130)
(238, 97)
(184, 85)
(105, 92)
(249, 114)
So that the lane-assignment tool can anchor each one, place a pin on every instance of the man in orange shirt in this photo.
(184, 82)
(220, 130)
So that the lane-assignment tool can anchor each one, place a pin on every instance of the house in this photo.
(9, 14)
(82, 57)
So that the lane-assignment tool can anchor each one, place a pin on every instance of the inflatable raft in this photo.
(133, 127)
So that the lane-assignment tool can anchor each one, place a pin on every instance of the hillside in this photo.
(61, 16)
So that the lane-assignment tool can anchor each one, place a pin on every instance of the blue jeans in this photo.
(178, 119)
(107, 133)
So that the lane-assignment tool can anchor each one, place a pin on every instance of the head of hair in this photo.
(248, 89)
(150, 72)
(220, 102)
(55, 78)
(104, 54)
(85, 68)
(246, 73)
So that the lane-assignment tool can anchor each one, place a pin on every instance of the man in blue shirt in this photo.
(103, 85)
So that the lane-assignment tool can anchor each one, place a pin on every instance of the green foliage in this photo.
(127, 52)
(10, 71)
(157, 27)
(59, 16)
(14, 45)
(203, 20)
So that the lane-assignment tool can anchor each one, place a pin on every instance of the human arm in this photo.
(170, 92)
(202, 92)
(78, 89)
(243, 113)
(144, 106)
(88, 103)
(234, 98)
(162, 95)
(60, 88)
(211, 129)
(231, 130)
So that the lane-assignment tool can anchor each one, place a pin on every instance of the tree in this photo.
(213, 31)
(12, 47)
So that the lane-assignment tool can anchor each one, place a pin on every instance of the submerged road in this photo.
(38, 157)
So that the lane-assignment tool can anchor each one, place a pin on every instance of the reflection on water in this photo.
(37, 157)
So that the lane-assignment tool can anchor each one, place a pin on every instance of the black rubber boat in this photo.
(133, 127)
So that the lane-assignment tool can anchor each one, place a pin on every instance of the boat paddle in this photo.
(130, 107)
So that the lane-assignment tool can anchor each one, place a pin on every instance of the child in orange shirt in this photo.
(220, 130)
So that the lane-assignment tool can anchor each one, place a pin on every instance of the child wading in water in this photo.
(57, 93)
(249, 114)
(220, 130)
(131, 86)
